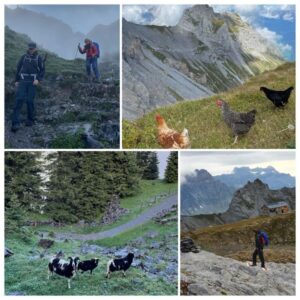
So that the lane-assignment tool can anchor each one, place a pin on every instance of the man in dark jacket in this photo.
(30, 71)
(259, 250)
(91, 52)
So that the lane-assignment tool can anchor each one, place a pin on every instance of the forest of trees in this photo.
(70, 186)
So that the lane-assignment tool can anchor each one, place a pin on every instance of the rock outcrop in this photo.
(188, 245)
(113, 211)
(205, 273)
(205, 53)
(247, 202)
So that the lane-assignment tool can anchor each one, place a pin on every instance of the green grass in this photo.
(68, 141)
(135, 204)
(205, 124)
(30, 277)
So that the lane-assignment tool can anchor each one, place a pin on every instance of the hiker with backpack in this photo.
(261, 240)
(91, 49)
(30, 72)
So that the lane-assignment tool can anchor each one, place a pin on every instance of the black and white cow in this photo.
(119, 264)
(88, 265)
(63, 267)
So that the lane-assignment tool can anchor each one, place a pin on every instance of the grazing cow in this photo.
(63, 268)
(119, 264)
(88, 265)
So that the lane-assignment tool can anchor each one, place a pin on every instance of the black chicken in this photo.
(279, 98)
(239, 123)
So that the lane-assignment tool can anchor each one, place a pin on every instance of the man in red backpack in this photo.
(260, 242)
(92, 54)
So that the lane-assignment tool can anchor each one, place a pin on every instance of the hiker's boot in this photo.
(29, 123)
(15, 127)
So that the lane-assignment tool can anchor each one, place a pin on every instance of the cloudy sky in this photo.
(275, 22)
(162, 157)
(219, 162)
(81, 18)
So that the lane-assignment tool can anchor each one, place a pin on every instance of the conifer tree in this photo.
(23, 180)
(151, 171)
(171, 172)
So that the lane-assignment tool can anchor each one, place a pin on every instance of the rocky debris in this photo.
(45, 243)
(87, 113)
(188, 245)
(113, 211)
(205, 273)
(164, 217)
(7, 252)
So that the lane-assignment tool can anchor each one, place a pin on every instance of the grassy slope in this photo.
(207, 129)
(31, 277)
(236, 240)
(135, 204)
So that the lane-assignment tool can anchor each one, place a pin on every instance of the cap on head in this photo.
(87, 41)
(32, 46)
(219, 102)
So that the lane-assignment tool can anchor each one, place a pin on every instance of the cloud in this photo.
(276, 39)
(288, 17)
(167, 15)
(220, 162)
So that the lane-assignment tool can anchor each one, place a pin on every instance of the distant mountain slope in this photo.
(201, 193)
(205, 53)
(269, 175)
(58, 37)
(246, 203)
(204, 122)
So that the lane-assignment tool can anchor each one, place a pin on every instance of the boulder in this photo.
(45, 243)
(188, 245)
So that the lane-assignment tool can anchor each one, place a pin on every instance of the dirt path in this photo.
(143, 218)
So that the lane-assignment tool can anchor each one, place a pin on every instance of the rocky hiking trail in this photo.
(70, 113)
(141, 219)
(205, 273)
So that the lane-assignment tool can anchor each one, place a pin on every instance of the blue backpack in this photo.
(98, 49)
(265, 237)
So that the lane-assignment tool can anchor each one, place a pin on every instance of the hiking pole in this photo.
(76, 51)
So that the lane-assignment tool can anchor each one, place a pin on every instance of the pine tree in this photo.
(151, 171)
(171, 172)
(82, 183)
(23, 180)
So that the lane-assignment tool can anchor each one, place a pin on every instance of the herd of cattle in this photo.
(70, 268)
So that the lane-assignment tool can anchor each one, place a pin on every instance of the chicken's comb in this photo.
(158, 117)
(219, 102)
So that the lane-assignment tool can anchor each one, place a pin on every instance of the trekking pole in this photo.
(76, 51)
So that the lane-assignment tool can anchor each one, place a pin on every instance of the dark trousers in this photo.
(25, 92)
(91, 62)
(260, 253)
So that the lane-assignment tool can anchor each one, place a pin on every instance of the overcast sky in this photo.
(221, 162)
(275, 22)
(81, 18)
(162, 157)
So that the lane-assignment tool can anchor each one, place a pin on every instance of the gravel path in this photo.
(143, 218)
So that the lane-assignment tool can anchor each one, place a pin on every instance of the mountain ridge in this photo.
(194, 59)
